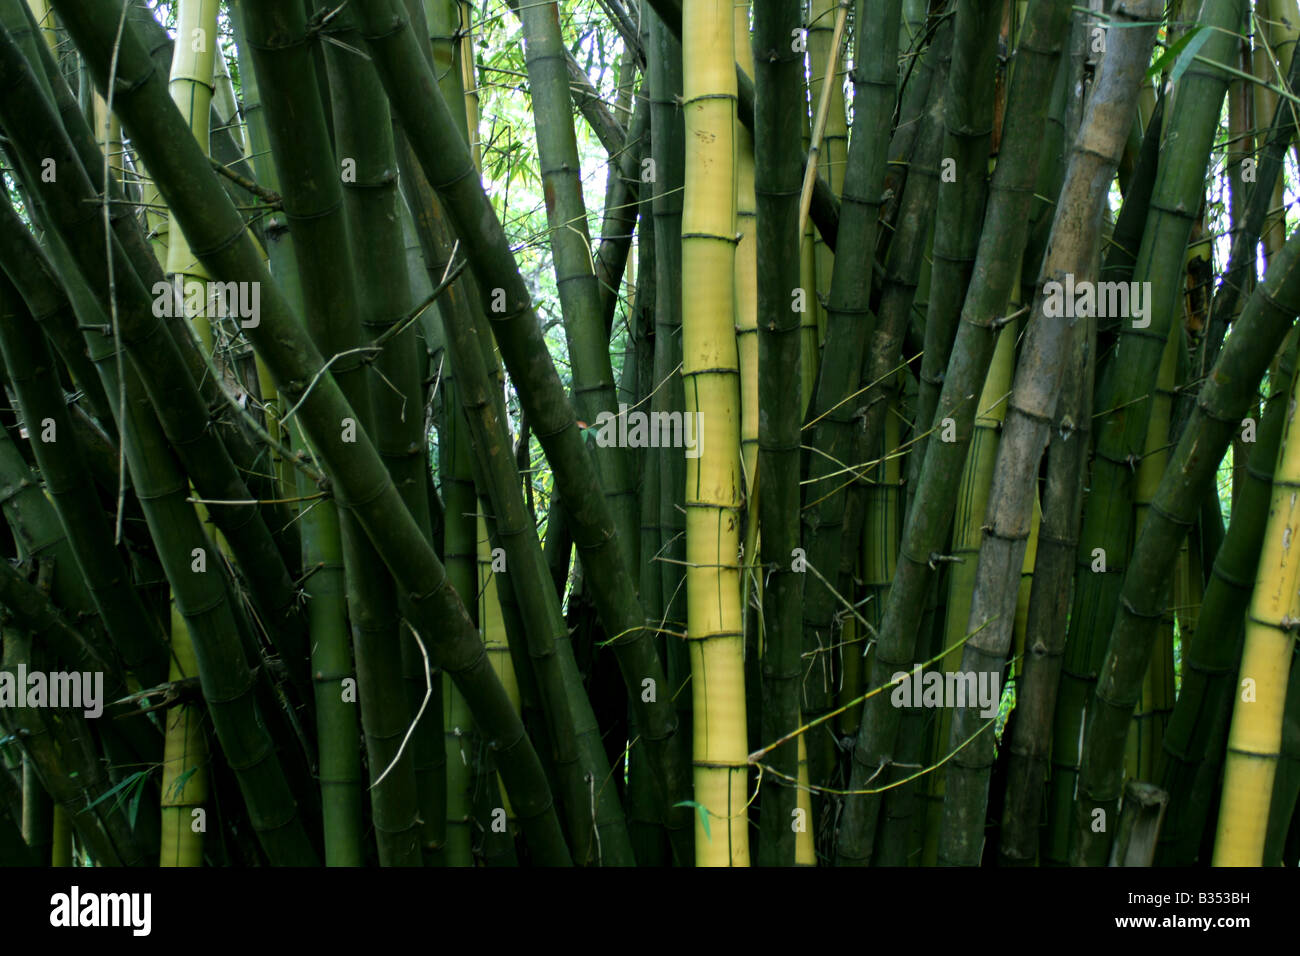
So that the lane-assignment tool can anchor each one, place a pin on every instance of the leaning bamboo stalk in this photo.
(1049, 602)
(968, 130)
(571, 249)
(967, 538)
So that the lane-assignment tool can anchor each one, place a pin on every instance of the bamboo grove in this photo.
(649, 432)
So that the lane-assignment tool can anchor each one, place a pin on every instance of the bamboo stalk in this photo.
(777, 87)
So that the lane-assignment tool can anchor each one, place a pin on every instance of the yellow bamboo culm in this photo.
(711, 376)
(191, 88)
(61, 842)
(44, 15)
(492, 624)
(185, 760)
(1255, 736)
(805, 852)
(470, 81)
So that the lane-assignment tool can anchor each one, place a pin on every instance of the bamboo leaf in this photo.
(118, 788)
(704, 815)
(178, 785)
(1187, 55)
(1171, 56)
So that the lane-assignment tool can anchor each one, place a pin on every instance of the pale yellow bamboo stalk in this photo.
(470, 81)
(710, 374)
(226, 102)
(823, 110)
(191, 88)
(44, 14)
(805, 852)
(185, 763)
(493, 627)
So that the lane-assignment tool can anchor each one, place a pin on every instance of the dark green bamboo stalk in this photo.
(1286, 786)
(217, 234)
(1076, 233)
(596, 824)
(365, 136)
(667, 148)
(622, 207)
(849, 326)
(968, 131)
(929, 520)
(777, 104)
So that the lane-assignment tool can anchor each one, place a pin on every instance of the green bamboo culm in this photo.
(776, 187)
